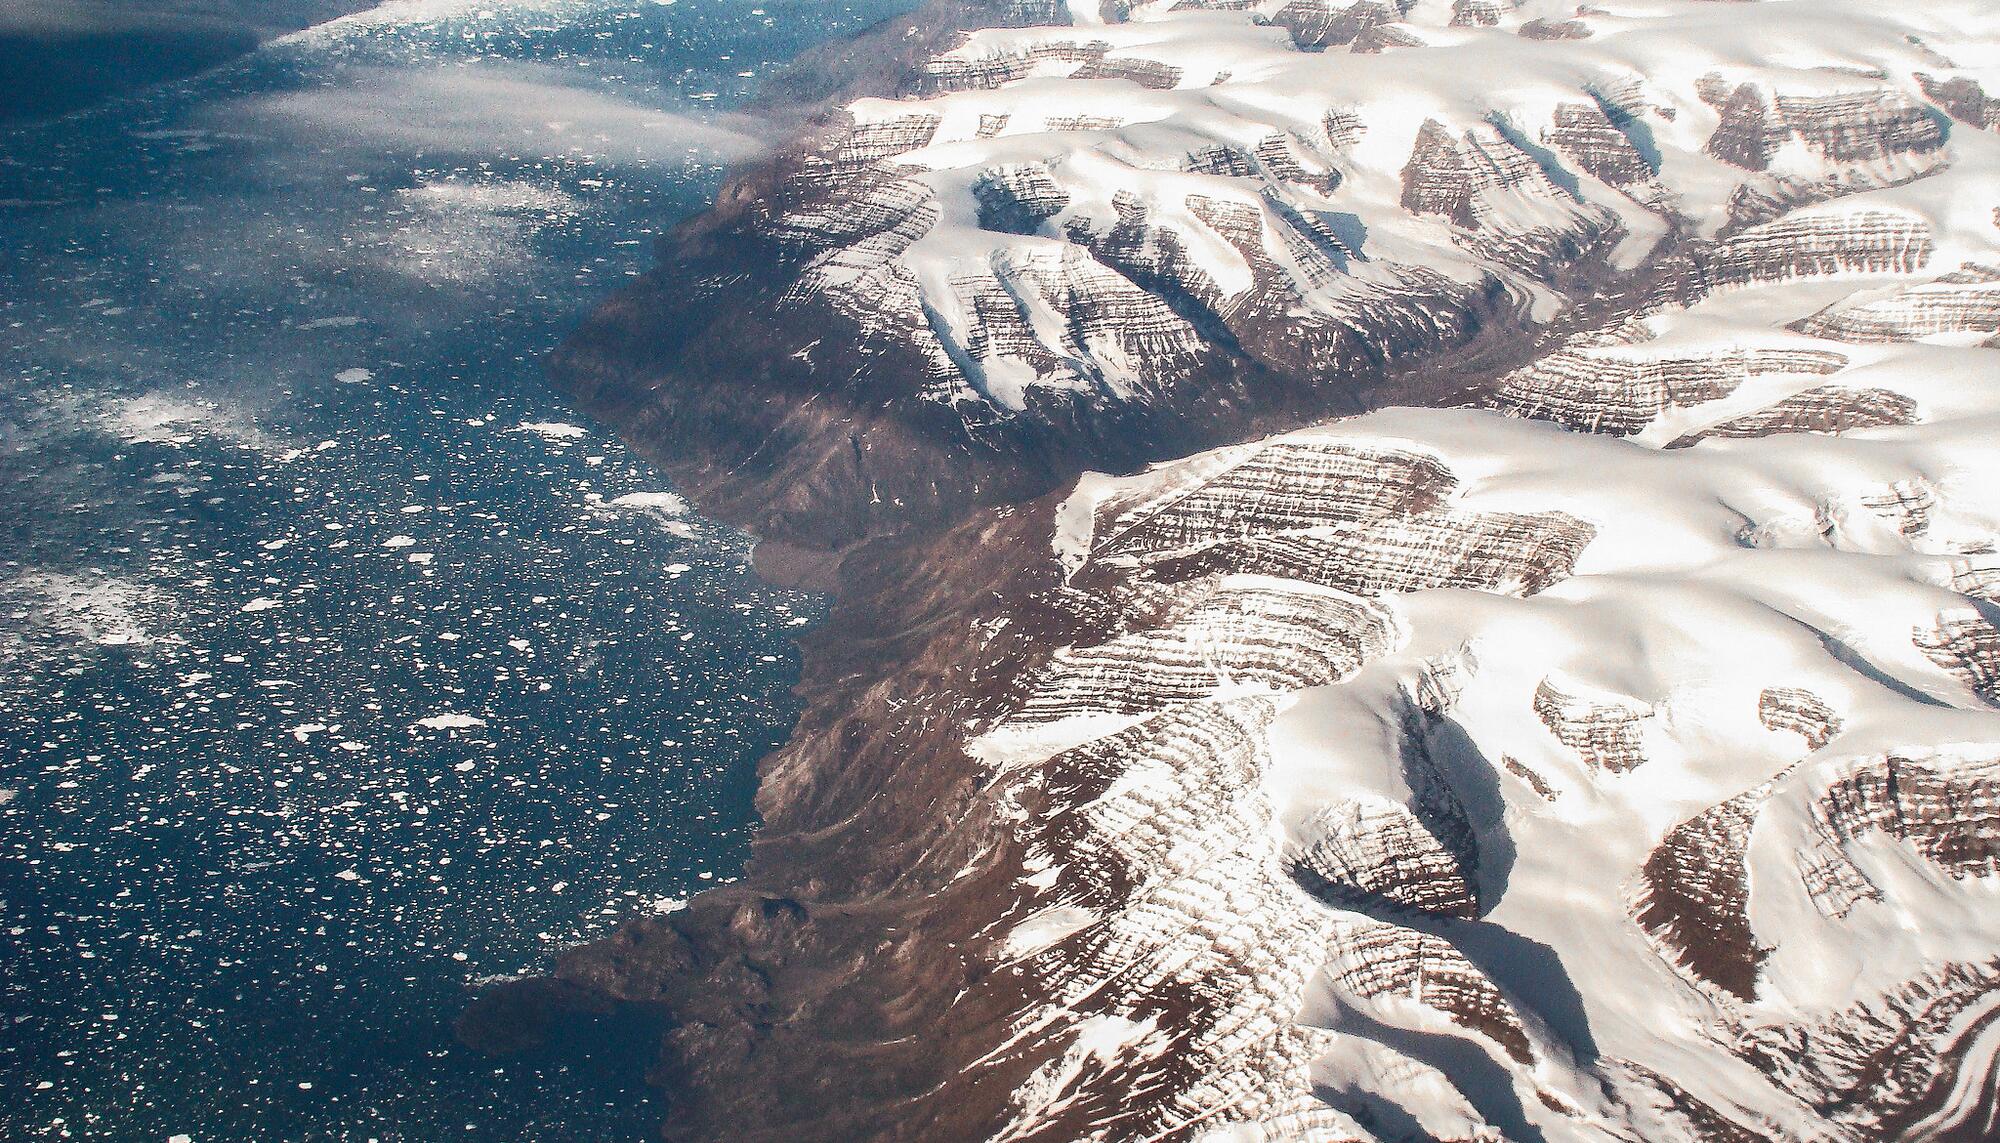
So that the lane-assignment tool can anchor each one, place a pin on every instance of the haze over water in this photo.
(341, 665)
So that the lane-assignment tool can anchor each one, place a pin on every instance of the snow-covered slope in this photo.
(1615, 756)
(1624, 766)
(1118, 235)
(1476, 772)
(1085, 212)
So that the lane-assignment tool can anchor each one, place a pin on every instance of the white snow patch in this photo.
(1045, 928)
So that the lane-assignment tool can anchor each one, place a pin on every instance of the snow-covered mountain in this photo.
(1103, 244)
(1481, 774)
(1612, 755)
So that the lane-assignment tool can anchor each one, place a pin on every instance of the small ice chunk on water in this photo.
(261, 603)
(448, 721)
(354, 376)
(665, 503)
(553, 430)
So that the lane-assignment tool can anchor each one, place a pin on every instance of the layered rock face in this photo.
(1613, 756)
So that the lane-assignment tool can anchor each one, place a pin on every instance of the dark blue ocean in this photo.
(342, 666)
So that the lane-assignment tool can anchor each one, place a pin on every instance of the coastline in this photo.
(808, 1000)
(713, 978)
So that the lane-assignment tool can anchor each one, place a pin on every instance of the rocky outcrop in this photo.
(1800, 711)
(1593, 136)
(1607, 732)
(1822, 409)
(1620, 392)
(1697, 895)
(1846, 127)
(1948, 814)
(1966, 642)
(1825, 243)
(1883, 1052)
(1965, 301)
(1963, 98)
(1316, 25)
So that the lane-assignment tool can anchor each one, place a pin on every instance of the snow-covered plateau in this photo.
(1607, 751)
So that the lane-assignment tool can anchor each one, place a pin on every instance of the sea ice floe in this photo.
(667, 503)
(553, 430)
(448, 721)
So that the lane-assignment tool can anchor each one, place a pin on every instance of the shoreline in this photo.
(525, 1014)
(928, 940)
(737, 980)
